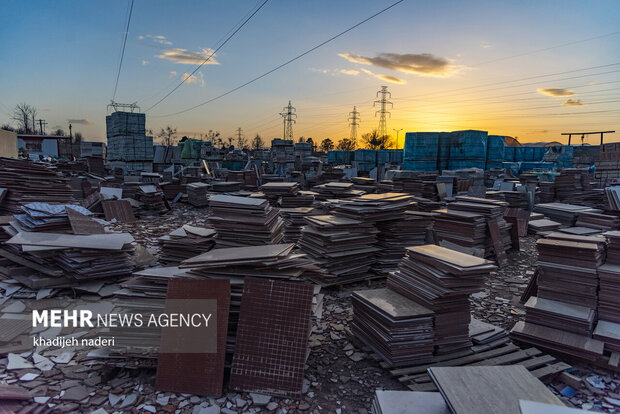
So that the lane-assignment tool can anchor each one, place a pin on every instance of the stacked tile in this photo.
(568, 269)
(152, 198)
(396, 235)
(417, 183)
(68, 257)
(335, 190)
(441, 280)
(275, 261)
(365, 184)
(598, 221)
(47, 217)
(27, 181)
(342, 247)
(572, 184)
(547, 191)
(609, 279)
(301, 199)
(197, 194)
(474, 234)
(397, 328)
(186, 242)
(226, 186)
(565, 214)
(384, 211)
(294, 222)
(274, 190)
(542, 226)
(560, 315)
(243, 221)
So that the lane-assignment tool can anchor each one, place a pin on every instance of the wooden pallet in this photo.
(501, 351)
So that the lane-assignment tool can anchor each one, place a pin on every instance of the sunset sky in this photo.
(530, 69)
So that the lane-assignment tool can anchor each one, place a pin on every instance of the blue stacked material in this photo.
(468, 149)
(509, 154)
(384, 156)
(491, 164)
(561, 155)
(233, 165)
(421, 146)
(513, 167)
(365, 155)
(495, 149)
(519, 154)
(340, 157)
(539, 153)
(420, 165)
(530, 165)
(445, 143)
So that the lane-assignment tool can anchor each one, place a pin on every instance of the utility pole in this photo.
(70, 133)
(385, 95)
(354, 122)
(42, 125)
(397, 131)
(288, 114)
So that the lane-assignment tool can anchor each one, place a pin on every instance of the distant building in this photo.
(44, 145)
(92, 149)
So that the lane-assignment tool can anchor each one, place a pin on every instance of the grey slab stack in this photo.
(128, 146)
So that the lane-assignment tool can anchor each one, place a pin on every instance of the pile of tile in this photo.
(395, 327)
(48, 217)
(565, 214)
(274, 190)
(226, 186)
(465, 223)
(243, 221)
(55, 259)
(416, 183)
(27, 181)
(185, 242)
(598, 221)
(335, 190)
(542, 226)
(365, 184)
(609, 279)
(343, 247)
(441, 280)
(301, 199)
(567, 269)
(572, 184)
(547, 191)
(197, 194)
(560, 315)
(294, 222)
(152, 199)
(396, 235)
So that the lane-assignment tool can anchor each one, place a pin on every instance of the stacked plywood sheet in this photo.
(294, 222)
(395, 327)
(197, 194)
(563, 213)
(301, 199)
(560, 315)
(26, 181)
(186, 242)
(243, 221)
(442, 280)
(598, 221)
(568, 270)
(343, 247)
(335, 190)
(274, 190)
(609, 279)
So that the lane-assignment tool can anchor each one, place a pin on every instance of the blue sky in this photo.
(62, 57)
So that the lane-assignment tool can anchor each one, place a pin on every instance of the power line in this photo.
(285, 63)
(184, 79)
(120, 63)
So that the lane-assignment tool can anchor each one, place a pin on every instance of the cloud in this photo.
(485, 45)
(157, 39)
(145, 62)
(573, 102)
(80, 121)
(424, 64)
(556, 92)
(186, 57)
(351, 72)
(173, 73)
(197, 79)
(318, 70)
(387, 78)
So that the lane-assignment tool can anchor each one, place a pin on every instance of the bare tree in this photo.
(257, 142)
(59, 132)
(242, 143)
(7, 127)
(373, 141)
(78, 137)
(346, 144)
(24, 114)
(168, 136)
